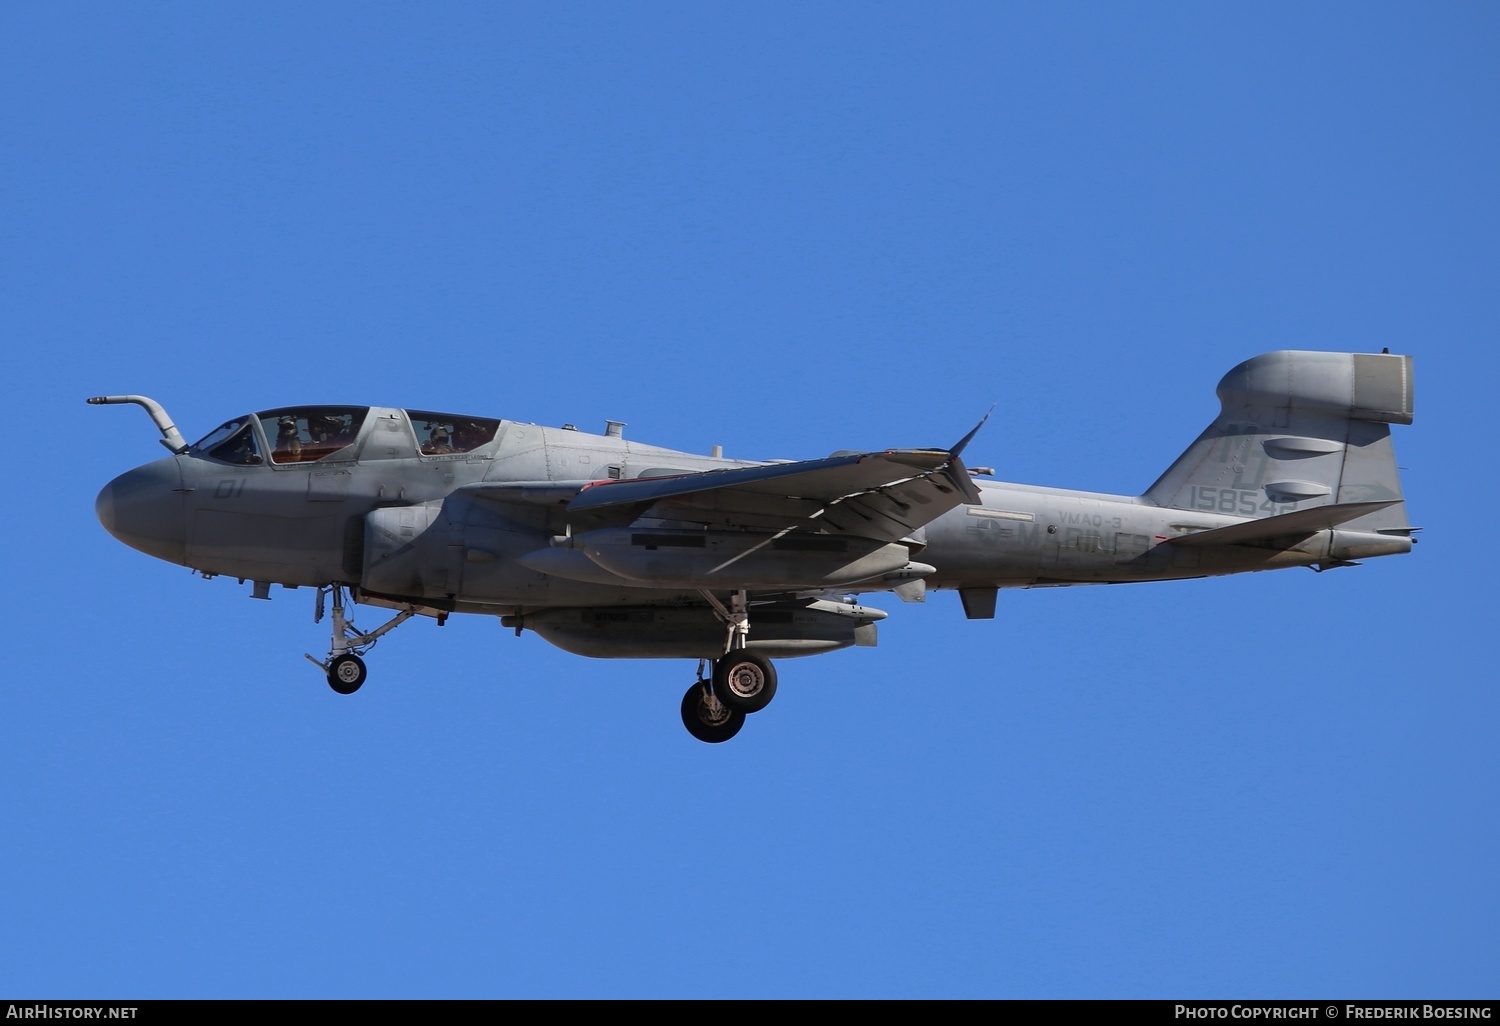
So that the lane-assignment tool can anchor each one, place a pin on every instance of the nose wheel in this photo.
(346, 673)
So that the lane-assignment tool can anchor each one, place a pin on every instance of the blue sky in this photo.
(785, 229)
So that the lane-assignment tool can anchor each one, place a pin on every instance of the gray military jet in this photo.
(613, 549)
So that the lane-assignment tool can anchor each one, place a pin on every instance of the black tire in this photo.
(744, 681)
(704, 722)
(346, 674)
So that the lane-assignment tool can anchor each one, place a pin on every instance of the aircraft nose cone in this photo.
(144, 509)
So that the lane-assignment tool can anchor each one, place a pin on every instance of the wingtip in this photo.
(963, 442)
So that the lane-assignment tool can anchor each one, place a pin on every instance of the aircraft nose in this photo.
(144, 509)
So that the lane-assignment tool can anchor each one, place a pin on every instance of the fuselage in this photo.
(403, 506)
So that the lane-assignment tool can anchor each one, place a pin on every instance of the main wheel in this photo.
(346, 674)
(707, 721)
(744, 681)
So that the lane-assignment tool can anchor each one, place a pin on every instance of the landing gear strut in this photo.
(345, 669)
(742, 682)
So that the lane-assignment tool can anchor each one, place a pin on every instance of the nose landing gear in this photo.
(345, 669)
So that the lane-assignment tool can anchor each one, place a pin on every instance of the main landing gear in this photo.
(743, 682)
(708, 719)
(345, 669)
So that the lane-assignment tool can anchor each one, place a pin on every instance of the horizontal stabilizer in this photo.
(1301, 522)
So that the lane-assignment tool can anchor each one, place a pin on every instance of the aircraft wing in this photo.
(882, 495)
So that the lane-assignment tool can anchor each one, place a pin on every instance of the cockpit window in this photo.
(308, 433)
(439, 434)
(232, 442)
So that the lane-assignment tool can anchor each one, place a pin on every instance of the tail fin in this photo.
(1299, 430)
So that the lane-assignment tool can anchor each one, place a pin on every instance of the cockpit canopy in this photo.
(439, 434)
(304, 434)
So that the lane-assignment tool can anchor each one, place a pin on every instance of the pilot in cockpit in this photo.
(438, 441)
(239, 449)
(468, 435)
(287, 439)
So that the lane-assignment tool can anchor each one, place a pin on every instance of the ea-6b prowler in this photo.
(613, 549)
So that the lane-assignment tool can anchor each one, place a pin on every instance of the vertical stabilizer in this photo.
(1298, 430)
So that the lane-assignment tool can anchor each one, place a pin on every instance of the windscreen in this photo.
(233, 441)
